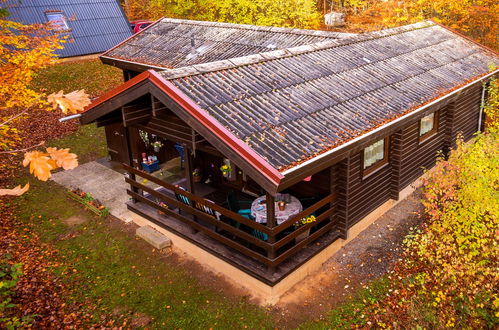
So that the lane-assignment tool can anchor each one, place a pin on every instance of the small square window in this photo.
(57, 19)
(428, 126)
(375, 156)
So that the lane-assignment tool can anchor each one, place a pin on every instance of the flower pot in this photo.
(197, 178)
(281, 206)
(156, 149)
(302, 236)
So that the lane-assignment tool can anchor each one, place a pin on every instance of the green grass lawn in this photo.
(91, 75)
(106, 265)
(124, 275)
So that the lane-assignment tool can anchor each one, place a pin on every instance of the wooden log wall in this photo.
(358, 195)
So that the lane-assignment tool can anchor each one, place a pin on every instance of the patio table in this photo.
(259, 209)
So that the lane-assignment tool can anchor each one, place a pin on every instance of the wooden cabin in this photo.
(286, 150)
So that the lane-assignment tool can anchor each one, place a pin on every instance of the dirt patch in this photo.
(370, 255)
(75, 220)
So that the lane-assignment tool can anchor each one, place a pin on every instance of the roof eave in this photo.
(298, 171)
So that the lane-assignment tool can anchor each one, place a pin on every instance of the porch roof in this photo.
(173, 43)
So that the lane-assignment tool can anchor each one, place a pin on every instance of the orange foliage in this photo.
(474, 18)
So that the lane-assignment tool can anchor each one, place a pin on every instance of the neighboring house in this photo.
(92, 26)
(345, 126)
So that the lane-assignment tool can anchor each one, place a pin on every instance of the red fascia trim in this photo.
(126, 85)
(202, 116)
(220, 131)
(130, 37)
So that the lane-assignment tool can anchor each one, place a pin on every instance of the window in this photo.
(428, 126)
(57, 19)
(375, 156)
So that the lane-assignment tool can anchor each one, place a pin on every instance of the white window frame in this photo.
(57, 19)
(374, 156)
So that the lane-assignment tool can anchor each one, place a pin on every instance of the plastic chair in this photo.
(258, 234)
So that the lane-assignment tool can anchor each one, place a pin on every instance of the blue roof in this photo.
(95, 25)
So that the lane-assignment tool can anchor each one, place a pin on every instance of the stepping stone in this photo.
(153, 237)
(75, 220)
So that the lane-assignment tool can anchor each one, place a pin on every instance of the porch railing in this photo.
(282, 247)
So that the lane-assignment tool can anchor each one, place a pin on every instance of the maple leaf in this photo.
(74, 101)
(40, 164)
(63, 158)
(17, 191)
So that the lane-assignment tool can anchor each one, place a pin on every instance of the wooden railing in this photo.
(223, 219)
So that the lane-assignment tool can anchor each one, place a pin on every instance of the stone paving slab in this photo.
(102, 183)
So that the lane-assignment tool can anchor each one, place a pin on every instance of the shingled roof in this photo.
(173, 43)
(294, 104)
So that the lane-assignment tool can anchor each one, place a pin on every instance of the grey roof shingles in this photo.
(167, 43)
(96, 25)
(291, 105)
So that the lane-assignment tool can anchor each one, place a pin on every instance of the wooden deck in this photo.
(234, 257)
(266, 252)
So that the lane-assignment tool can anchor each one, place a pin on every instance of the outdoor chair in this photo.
(208, 210)
(258, 234)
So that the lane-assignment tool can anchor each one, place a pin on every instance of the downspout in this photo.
(482, 106)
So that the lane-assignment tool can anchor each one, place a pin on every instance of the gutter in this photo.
(359, 138)
(482, 106)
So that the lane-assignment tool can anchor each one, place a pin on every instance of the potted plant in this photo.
(226, 169)
(196, 175)
(303, 222)
(157, 145)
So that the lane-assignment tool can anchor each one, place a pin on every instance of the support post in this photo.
(271, 222)
(129, 159)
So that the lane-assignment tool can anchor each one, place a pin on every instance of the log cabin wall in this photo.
(364, 194)
(467, 113)
(416, 155)
(358, 195)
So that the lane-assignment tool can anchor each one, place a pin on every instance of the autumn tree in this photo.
(24, 51)
(475, 18)
(291, 13)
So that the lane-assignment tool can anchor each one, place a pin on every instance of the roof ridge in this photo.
(232, 63)
(316, 33)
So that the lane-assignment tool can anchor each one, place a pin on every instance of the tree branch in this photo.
(22, 150)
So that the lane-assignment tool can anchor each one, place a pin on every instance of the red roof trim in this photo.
(220, 131)
(202, 116)
(126, 85)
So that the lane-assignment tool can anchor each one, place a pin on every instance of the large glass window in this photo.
(57, 19)
(375, 156)
(428, 125)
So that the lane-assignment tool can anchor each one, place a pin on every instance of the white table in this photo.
(259, 210)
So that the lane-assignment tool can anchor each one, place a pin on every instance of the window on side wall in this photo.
(428, 126)
(374, 156)
(58, 20)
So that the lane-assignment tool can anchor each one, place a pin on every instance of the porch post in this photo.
(129, 159)
(188, 168)
(271, 222)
